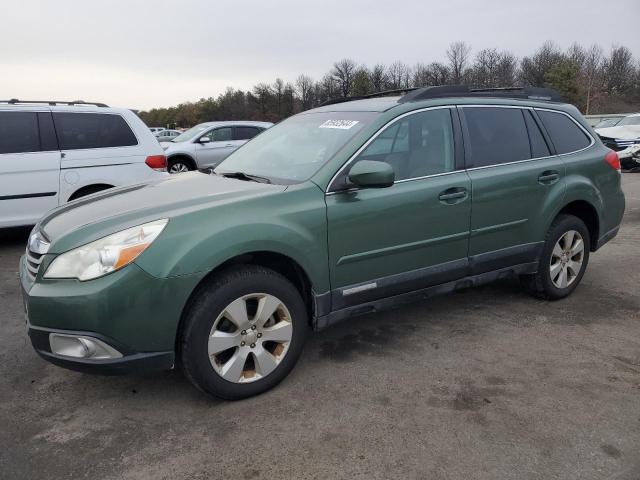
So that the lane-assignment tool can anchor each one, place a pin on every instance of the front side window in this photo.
(220, 134)
(92, 130)
(418, 145)
(19, 132)
(296, 148)
(566, 136)
(496, 135)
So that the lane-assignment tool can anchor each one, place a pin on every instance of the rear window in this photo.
(565, 134)
(92, 130)
(496, 135)
(246, 133)
(19, 132)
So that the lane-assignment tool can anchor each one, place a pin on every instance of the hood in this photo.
(624, 132)
(95, 216)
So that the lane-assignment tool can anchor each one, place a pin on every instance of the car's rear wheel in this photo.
(243, 333)
(563, 261)
(179, 165)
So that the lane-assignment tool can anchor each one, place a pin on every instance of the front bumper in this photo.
(135, 313)
(130, 362)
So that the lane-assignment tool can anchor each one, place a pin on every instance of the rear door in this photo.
(29, 167)
(219, 147)
(514, 179)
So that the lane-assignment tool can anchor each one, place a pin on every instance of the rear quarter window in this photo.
(92, 130)
(565, 134)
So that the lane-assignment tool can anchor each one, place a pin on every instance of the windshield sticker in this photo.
(339, 124)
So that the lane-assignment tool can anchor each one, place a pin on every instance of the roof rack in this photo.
(371, 95)
(529, 93)
(15, 101)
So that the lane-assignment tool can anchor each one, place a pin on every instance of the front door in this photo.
(29, 167)
(414, 234)
(219, 147)
(515, 182)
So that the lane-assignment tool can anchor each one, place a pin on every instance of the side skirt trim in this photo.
(324, 321)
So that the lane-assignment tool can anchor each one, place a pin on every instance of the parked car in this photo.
(317, 220)
(55, 152)
(166, 135)
(155, 130)
(208, 144)
(622, 136)
(609, 122)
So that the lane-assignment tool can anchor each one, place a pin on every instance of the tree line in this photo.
(594, 81)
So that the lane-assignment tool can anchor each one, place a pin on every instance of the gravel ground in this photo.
(487, 383)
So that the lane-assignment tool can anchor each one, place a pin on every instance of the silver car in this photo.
(207, 144)
(166, 135)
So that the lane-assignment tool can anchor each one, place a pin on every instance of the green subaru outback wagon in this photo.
(349, 208)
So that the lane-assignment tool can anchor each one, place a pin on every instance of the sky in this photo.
(142, 54)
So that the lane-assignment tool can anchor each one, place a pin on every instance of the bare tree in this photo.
(304, 89)
(398, 76)
(278, 90)
(343, 73)
(378, 77)
(619, 70)
(591, 76)
(458, 55)
(534, 69)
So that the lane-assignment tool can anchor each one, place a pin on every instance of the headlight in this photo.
(106, 255)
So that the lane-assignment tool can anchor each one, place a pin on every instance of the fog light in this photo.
(79, 346)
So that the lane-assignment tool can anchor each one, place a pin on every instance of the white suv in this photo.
(208, 144)
(54, 152)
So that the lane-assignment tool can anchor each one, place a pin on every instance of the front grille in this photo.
(33, 263)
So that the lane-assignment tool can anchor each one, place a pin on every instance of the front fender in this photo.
(292, 224)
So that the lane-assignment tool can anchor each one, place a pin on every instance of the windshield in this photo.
(296, 148)
(633, 120)
(191, 133)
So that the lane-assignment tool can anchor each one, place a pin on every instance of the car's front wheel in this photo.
(179, 165)
(563, 260)
(243, 333)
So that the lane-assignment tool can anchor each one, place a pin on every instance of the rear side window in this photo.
(19, 132)
(539, 147)
(92, 130)
(245, 133)
(496, 135)
(565, 134)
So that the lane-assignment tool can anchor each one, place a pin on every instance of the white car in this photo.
(166, 135)
(625, 134)
(54, 152)
(207, 144)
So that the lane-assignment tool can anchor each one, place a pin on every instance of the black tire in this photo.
(540, 284)
(209, 302)
(176, 162)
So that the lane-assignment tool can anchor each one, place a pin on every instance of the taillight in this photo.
(613, 160)
(157, 162)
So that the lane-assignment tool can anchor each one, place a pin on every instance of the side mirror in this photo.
(372, 174)
(204, 140)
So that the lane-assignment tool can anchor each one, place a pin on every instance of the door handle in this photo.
(548, 177)
(453, 195)
(229, 145)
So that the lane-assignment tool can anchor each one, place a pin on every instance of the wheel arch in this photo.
(185, 156)
(283, 264)
(587, 212)
(89, 189)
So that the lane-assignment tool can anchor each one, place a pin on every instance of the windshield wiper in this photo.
(245, 176)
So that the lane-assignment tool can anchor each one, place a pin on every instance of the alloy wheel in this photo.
(250, 338)
(566, 259)
(178, 167)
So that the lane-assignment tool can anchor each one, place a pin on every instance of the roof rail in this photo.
(529, 93)
(384, 93)
(15, 101)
